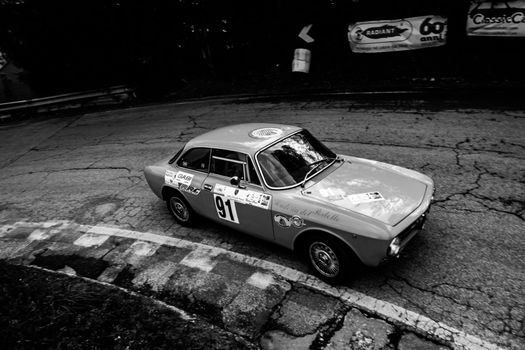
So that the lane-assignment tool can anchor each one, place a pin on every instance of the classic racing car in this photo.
(279, 183)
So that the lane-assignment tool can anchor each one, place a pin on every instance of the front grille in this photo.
(416, 225)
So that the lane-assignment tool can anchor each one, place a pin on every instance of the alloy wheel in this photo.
(324, 259)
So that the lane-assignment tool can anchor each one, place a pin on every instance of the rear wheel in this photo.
(180, 209)
(329, 258)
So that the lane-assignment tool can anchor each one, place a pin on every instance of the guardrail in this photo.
(106, 96)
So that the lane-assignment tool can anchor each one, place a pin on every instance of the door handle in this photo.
(208, 187)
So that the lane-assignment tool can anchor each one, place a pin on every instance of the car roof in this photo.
(244, 138)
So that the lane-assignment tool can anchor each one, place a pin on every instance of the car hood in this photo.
(375, 191)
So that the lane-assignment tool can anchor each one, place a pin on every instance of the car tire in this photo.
(329, 258)
(180, 209)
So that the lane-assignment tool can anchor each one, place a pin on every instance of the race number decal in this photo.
(225, 208)
(253, 198)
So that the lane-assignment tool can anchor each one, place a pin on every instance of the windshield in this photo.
(287, 162)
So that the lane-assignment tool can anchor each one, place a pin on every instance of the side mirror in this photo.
(235, 181)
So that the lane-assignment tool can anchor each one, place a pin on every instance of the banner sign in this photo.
(398, 35)
(501, 18)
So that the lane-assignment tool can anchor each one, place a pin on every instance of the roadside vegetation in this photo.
(41, 310)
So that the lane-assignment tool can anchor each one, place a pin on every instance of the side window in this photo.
(254, 179)
(228, 163)
(174, 158)
(196, 159)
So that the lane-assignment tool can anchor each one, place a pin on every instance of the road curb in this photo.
(270, 282)
(183, 314)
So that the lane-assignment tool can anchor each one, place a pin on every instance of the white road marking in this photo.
(90, 240)
(143, 236)
(45, 224)
(39, 235)
(68, 270)
(261, 280)
(143, 248)
(202, 257)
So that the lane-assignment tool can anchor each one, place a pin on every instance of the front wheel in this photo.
(180, 209)
(329, 259)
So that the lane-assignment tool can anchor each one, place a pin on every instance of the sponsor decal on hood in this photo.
(369, 190)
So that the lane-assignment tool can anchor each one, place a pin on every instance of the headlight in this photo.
(394, 247)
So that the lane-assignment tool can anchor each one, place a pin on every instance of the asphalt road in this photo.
(467, 269)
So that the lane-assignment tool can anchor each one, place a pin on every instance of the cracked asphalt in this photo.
(467, 269)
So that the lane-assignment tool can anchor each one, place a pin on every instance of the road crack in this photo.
(70, 169)
(470, 193)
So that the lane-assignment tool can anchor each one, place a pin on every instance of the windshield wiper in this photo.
(316, 165)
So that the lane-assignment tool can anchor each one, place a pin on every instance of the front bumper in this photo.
(407, 234)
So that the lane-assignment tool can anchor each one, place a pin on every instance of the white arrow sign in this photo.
(304, 34)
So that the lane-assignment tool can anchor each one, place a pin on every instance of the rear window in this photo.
(196, 159)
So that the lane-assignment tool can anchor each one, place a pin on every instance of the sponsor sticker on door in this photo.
(181, 181)
(257, 199)
(179, 177)
(398, 35)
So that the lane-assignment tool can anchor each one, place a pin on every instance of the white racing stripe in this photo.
(383, 309)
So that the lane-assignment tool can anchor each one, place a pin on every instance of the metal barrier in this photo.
(111, 95)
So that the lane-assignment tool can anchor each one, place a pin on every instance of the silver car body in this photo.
(364, 203)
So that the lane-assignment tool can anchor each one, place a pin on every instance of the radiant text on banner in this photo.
(398, 35)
